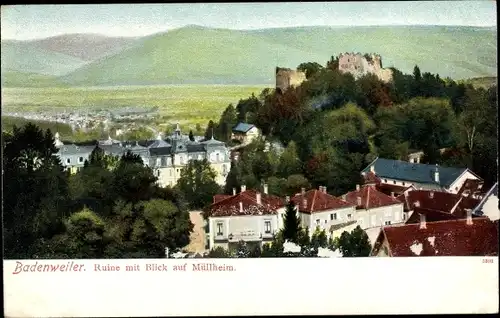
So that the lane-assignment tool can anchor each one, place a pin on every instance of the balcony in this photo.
(249, 236)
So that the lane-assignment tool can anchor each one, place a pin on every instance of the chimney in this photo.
(258, 198)
(469, 217)
(304, 203)
(287, 199)
(265, 188)
(359, 201)
(320, 188)
(431, 194)
(372, 168)
(392, 194)
(241, 207)
(357, 187)
(303, 191)
(243, 188)
(234, 191)
(423, 224)
(344, 197)
(324, 190)
(436, 174)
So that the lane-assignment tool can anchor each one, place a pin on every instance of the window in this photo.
(219, 228)
(68, 161)
(333, 216)
(326, 221)
(404, 216)
(177, 170)
(158, 162)
(385, 180)
(387, 222)
(267, 226)
(158, 173)
(349, 216)
(394, 182)
(456, 188)
(317, 222)
(403, 183)
(217, 157)
(80, 160)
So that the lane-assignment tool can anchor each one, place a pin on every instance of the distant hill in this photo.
(86, 47)
(25, 57)
(21, 79)
(200, 55)
(484, 82)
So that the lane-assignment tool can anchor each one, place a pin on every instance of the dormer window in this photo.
(80, 160)
(68, 161)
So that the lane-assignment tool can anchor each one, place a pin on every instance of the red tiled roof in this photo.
(370, 198)
(430, 216)
(318, 201)
(220, 197)
(231, 205)
(442, 238)
(387, 188)
(371, 178)
(440, 201)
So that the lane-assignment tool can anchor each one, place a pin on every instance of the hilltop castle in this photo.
(358, 65)
(286, 78)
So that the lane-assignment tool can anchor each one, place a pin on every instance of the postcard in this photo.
(250, 159)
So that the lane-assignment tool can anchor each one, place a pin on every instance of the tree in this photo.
(354, 244)
(233, 179)
(291, 226)
(310, 68)
(218, 252)
(295, 183)
(210, 131)
(319, 238)
(191, 135)
(289, 162)
(35, 199)
(197, 183)
(227, 121)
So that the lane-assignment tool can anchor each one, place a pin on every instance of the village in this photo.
(405, 207)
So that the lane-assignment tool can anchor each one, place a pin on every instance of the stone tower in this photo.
(286, 78)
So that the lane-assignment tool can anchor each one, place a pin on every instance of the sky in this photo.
(24, 22)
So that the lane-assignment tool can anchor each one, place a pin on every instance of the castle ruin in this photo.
(286, 78)
(358, 65)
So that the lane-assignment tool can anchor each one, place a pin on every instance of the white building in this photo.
(318, 209)
(249, 216)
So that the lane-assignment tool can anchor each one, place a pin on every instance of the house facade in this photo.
(245, 133)
(251, 216)
(318, 209)
(374, 208)
(420, 176)
(489, 204)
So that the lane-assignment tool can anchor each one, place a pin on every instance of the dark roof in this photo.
(192, 147)
(442, 238)
(243, 127)
(212, 141)
(115, 149)
(71, 149)
(160, 151)
(159, 144)
(440, 201)
(231, 205)
(318, 201)
(415, 172)
(370, 198)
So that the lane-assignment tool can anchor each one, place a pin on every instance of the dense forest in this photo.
(333, 125)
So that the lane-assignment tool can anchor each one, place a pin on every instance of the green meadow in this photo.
(186, 104)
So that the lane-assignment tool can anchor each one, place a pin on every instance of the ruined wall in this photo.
(286, 77)
(358, 65)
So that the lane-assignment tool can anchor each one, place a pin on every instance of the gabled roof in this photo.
(318, 201)
(370, 198)
(220, 197)
(212, 141)
(442, 238)
(230, 206)
(415, 172)
(339, 226)
(243, 127)
(440, 201)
